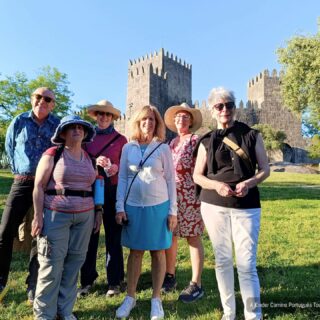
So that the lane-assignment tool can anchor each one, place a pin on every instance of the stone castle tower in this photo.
(158, 79)
(164, 80)
(265, 106)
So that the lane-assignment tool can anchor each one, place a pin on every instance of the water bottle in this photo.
(99, 191)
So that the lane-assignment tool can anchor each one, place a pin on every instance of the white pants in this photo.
(240, 226)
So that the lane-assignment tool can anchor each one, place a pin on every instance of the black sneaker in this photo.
(169, 283)
(84, 291)
(30, 295)
(191, 293)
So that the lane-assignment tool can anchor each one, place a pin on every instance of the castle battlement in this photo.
(161, 54)
(264, 75)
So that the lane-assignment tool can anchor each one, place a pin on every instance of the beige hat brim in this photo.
(171, 112)
(92, 110)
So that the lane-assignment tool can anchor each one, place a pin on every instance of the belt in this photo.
(69, 192)
(24, 178)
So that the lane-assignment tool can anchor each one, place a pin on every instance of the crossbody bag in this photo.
(142, 162)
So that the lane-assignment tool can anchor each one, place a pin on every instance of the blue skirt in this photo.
(147, 228)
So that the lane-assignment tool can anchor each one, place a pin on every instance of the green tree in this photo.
(300, 80)
(273, 139)
(16, 90)
(314, 149)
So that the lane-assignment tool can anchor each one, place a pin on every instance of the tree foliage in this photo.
(15, 93)
(300, 80)
(314, 149)
(273, 139)
(16, 90)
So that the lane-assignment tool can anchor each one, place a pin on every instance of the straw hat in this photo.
(69, 120)
(172, 111)
(104, 106)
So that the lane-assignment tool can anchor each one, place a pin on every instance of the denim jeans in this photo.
(62, 249)
(114, 253)
(18, 203)
(240, 227)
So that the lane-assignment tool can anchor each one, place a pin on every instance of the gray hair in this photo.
(216, 94)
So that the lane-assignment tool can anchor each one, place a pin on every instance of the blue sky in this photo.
(227, 42)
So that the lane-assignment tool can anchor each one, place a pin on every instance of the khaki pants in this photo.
(62, 249)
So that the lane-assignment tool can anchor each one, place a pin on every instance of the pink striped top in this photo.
(70, 174)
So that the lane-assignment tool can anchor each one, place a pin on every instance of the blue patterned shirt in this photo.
(26, 141)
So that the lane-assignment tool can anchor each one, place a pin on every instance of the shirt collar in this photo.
(51, 118)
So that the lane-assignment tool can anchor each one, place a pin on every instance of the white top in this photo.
(155, 182)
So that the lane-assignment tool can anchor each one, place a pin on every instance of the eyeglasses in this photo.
(38, 97)
(75, 126)
(183, 117)
(101, 113)
(229, 106)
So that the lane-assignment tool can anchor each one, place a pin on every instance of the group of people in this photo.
(155, 191)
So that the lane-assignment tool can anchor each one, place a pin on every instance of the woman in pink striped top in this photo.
(63, 218)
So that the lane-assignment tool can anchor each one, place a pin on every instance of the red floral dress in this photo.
(190, 223)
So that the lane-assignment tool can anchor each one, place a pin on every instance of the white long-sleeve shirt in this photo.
(155, 182)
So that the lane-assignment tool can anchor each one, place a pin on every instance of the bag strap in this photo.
(142, 162)
(56, 157)
(106, 146)
(239, 151)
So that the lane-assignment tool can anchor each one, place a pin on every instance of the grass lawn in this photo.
(288, 263)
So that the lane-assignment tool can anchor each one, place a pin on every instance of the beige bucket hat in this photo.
(171, 112)
(104, 106)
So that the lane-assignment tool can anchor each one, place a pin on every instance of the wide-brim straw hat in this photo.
(172, 111)
(70, 120)
(104, 106)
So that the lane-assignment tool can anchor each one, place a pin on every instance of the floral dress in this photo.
(190, 223)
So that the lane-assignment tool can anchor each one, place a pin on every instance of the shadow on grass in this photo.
(287, 193)
(285, 291)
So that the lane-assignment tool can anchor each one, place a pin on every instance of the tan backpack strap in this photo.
(240, 152)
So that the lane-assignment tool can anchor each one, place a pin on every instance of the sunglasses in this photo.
(101, 113)
(184, 117)
(229, 106)
(38, 97)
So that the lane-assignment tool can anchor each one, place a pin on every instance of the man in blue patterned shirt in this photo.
(28, 136)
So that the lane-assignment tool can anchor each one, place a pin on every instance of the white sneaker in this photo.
(228, 317)
(113, 291)
(127, 305)
(156, 309)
